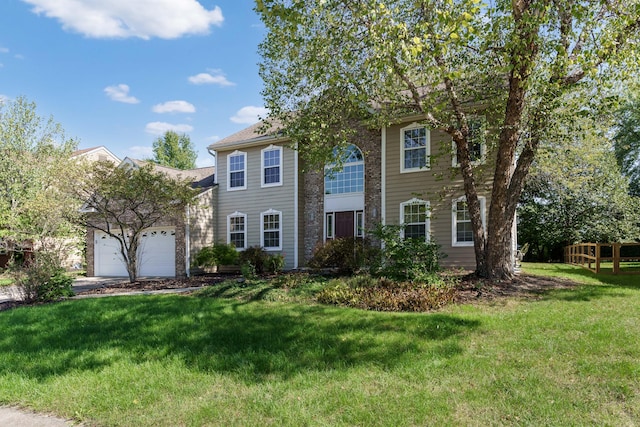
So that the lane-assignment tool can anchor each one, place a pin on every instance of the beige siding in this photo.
(439, 185)
(202, 221)
(255, 199)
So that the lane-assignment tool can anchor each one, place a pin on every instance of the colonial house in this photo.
(263, 194)
(402, 174)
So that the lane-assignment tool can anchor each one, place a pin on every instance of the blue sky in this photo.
(119, 73)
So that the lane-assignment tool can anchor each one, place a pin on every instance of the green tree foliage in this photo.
(326, 62)
(576, 193)
(175, 151)
(35, 173)
(124, 201)
(627, 143)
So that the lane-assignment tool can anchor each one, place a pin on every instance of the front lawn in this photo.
(567, 357)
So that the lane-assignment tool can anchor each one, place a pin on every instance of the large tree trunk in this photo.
(507, 181)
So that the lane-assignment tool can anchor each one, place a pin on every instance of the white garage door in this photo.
(156, 254)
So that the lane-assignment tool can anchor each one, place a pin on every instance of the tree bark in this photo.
(504, 196)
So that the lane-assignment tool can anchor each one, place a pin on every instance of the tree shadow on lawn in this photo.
(256, 342)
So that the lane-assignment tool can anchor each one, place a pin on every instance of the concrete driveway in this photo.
(81, 284)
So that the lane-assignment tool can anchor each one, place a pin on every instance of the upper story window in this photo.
(462, 231)
(415, 146)
(349, 179)
(237, 171)
(271, 158)
(477, 141)
(271, 230)
(237, 230)
(414, 216)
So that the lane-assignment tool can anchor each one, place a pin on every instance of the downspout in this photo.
(295, 208)
(383, 178)
(214, 196)
(187, 242)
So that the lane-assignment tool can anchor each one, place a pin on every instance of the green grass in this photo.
(569, 358)
(5, 281)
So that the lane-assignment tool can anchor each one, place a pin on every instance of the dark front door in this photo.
(344, 224)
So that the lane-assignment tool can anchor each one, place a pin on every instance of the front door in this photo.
(344, 224)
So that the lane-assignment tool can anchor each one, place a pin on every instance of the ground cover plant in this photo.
(567, 356)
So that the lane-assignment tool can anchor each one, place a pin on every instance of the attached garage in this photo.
(156, 254)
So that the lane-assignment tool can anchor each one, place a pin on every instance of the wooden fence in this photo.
(589, 256)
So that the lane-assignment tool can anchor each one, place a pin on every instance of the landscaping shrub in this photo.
(347, 254)
(382, 294)
(218, 254)
(256, 256)
(274, 263)
(42, 279)
(405, 259)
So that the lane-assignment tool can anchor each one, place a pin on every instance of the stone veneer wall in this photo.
(370, 143)
(313, 212)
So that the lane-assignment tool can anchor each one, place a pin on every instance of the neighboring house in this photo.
(96, 154)
(401, 174)
(165, 249)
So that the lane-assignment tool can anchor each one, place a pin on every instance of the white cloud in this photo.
(204, 161)
(174, 107)
(4, 50)
(159, 128)
(140, 152)
(249, 115)
(166, 19)
(3, 98)
(213, 77)
(120, 93)
(213, 138)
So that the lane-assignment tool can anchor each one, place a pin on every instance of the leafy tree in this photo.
(35, 172)
(175, 151)
(124, 201)
(325, 61)
(627, 143)
(576, 193)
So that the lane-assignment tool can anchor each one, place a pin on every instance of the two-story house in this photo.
(401, 174)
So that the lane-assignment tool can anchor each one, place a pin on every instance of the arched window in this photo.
(349, 179)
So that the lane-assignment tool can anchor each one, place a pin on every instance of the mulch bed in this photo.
(471, 289)
(159, 284)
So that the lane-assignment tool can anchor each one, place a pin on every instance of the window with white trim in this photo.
(271, 230)
(415, 219)
(329, 226)
(415, 146)
(271, 159)
(477, 141)
(359, 224)
(350, 179)
(237, 171)
(237, 230)
(462, 231)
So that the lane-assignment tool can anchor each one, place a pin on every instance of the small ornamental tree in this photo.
(124, 201)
